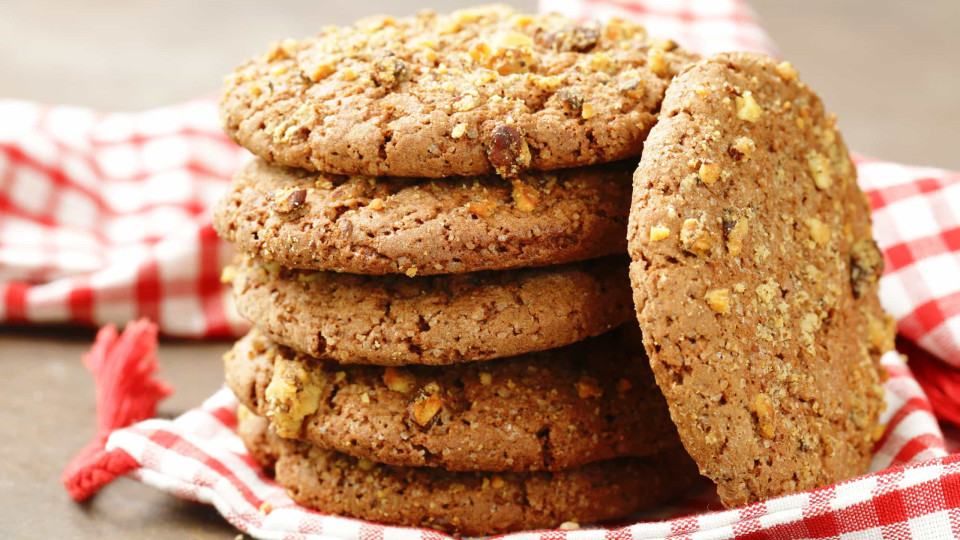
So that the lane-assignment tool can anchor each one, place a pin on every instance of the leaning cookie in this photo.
(465, 503)
(755, 281)
(396, 320)
(477, 91)
(552, 410)
(362, 225)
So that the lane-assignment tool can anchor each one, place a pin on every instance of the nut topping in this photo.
(508, 151)
(286, 200)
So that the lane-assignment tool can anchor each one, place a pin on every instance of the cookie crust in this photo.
(755, 281)
(433, 320)
(362, 225)
(466, 503)
(553, 410)
(473, 92)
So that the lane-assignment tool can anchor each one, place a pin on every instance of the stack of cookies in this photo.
(433, 238)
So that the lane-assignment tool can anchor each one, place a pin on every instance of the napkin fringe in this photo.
(122, 367)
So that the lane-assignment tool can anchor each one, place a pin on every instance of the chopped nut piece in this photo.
(747, 108)
(742, 148)
(881, 331)
(525, 196)
(376, 204)
(695, 238)
(569, 526)
(786, 71)
(659, 232)
(548, 84)
(571, 98)
(466, 102)
(719, 300)
(512, 55)
(228, 274)
(820, 170)
(767, 291)
(458, 130)
(365, 464)
(293, 394)
(486, 379)
(286, 200)
(426, 405)
(587, 112)
(397, 380)
(656, 62)
(389, 71)
(322, 72)
(588, 387)
(866, 266)
(735, 228)
(481, 208)
(709, 172)
(764, 408)
(631, 85)
(818, 231)
(496, 482)
(574, 38)
(508, 151)
(411, 272)
(272, 267)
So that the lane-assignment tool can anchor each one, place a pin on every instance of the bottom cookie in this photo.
(465, 503)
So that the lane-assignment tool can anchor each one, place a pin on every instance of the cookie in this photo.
(363, 225)
(395, 320)
(552, 410)
(465, 503)
(474, 92)
(755, 279)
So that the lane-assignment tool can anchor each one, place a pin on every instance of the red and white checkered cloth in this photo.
(106, 218)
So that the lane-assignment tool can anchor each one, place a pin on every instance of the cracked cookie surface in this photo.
(755, 279)
(553, 410)
(475, 92)
(396, 320)
(465, 503)
(363, 225)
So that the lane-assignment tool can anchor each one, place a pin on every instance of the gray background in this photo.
(887, 68)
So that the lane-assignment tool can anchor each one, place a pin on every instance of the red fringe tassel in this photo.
(122, 367)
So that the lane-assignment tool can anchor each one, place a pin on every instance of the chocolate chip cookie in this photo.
(755, 280)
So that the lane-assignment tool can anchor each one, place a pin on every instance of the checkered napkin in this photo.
(106, 218)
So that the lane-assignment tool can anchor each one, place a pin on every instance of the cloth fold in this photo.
(105, 218)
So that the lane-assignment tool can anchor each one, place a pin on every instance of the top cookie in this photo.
(481, 90)
(755, 280)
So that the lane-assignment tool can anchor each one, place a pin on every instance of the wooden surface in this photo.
(886, 68)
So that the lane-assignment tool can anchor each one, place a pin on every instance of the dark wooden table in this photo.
(886, 68)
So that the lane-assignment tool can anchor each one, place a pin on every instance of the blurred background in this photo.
(884, 67)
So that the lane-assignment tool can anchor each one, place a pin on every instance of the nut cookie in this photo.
(395, 320)
(464, 503)
(552, 410)
(755, 280)
(362, 225)
(479, 91)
